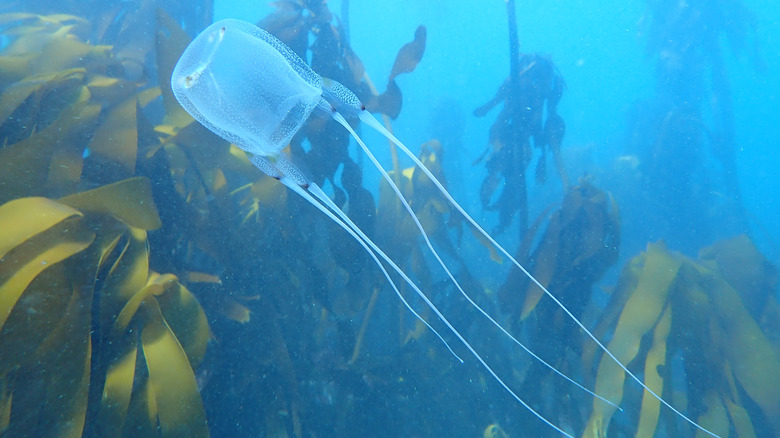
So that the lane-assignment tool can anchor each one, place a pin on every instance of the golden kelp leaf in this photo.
(205, 151)
(629, 277)
(115, 141)
(67, 159)
(148, 95)
(129, 200)
(156, 285)
(34, 38)
(16, 94)
(741, 419)
(201, 277)
(754, 360)
(269, 193)
(715, 419)
(17, 281)
(171, 380)
(494, 254)
(67, 381)
(23, 218)
(117, 391)
(187, 321)
(66, 52)
(109, 89)
(53, 19)
(168, 130)
(141, 420)
(545, 267)
(25, 166)
(420, 330)
(639, 315)
(656, 358)
(494, 431)
(740, 263)
(125, 278)
(14, 68)
(36, 314)
(216, 181)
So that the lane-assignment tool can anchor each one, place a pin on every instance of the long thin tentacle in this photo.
(351, 229)
(355, 230)
(368, 119)
(339, 118)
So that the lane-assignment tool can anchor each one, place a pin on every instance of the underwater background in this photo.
(153, 282)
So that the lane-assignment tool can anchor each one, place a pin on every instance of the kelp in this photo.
(70, 124)
(87, 329)
(431, 208)
(272, 268)
(79, 303)
(580, 242)
(568, 250)
(75, 135)
(293, 22)
(528, 119)
(106, 324)
(668, 307)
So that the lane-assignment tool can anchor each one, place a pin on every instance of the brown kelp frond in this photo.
(668, 307)
(78, 299)
(568, 249)
(528, 119)
(69, 119)
(82, 313)
(580, 242)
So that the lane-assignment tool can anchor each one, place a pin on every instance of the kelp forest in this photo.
(155, 283)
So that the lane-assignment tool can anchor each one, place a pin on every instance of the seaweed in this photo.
(95, 333)
(293, 21)
(528, 118)
(668, 307)
(84, 314)
(151, 278)
(579, 242)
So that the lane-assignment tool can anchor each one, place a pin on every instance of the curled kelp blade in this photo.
(67, 243)
(726, 351)
(129, 201)
(179, 408)
(23, 218)
(33, 277)
(642, 310)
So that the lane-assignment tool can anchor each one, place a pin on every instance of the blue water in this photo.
(600, 49)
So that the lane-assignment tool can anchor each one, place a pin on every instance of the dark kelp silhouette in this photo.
(581, 240)
(528, 119)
